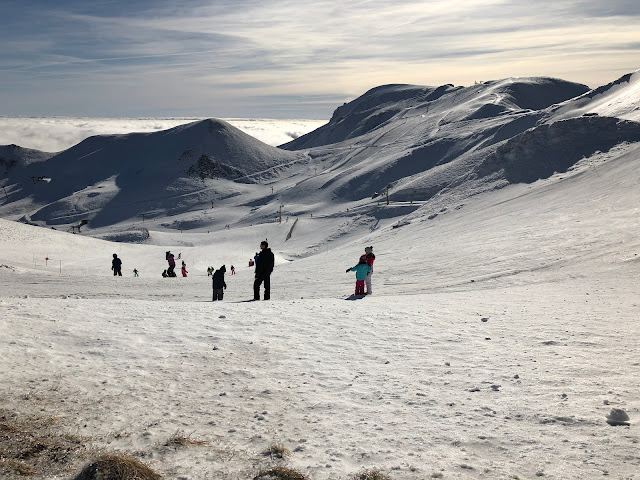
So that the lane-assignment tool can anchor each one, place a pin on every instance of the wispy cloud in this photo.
(165, 57)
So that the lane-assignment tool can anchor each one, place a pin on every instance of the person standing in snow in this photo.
(264, 266)
(233, 270)
(135, 272)
(369, 258)
(116, 266)
(209, 271)
(361, 269)
(172, 264)
(218, 283)
(184, 269)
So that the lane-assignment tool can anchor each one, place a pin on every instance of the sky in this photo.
(285, 59)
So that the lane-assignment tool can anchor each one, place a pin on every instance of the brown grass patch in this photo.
(117, 467)
(29, 445)
(371, 475)
(280, 473)
(178, 440)
(16, 467)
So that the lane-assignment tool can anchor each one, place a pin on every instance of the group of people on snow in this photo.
(264, 262)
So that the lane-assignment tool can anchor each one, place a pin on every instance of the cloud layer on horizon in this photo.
(54, 134)
(276, 59)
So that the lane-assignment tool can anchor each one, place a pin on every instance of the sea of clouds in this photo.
(54, 134)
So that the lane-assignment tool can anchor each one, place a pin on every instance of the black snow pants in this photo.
(266, 278)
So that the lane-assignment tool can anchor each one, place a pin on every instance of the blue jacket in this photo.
(361, 270)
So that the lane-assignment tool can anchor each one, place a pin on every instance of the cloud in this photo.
(54, 134)
(199, 58)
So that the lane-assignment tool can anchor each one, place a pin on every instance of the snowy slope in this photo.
(499, 337)
(619, 99)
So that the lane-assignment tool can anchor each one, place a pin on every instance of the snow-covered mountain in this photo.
(429, 147)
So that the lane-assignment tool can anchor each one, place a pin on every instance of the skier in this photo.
(264, 267)
(218, 283)
(361, 269)
(116, 266)
(135, 272)
(233, 270)
(172, 264)
(369, 258)
(184, 269)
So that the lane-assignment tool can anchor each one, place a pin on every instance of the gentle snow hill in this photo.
(107, 178)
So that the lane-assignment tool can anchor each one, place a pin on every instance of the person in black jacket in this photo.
(116, 266)
(218, 283)
(264, 267)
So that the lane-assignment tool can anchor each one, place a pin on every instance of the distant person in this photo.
(264, 267)
(369, 258)
(164, 274)
(116, 266)
(251, 262)
(172, 264)
(233, 270)
(135, 272)
(209, 271)
(255, 258)
(218, 283)
(184, 269)
(361, 269)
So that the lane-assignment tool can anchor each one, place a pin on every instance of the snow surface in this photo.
(502, 330)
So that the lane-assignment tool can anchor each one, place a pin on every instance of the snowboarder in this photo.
(264, 267)
(233, 270)
(218, 283)
(184, 269)
(361, 269)
(172, 264)
(369, 258)
(135, 272)
(116, 266)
